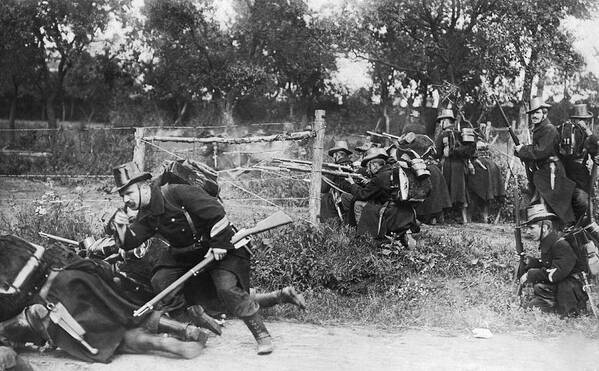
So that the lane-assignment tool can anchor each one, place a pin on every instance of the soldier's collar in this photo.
(156, 201)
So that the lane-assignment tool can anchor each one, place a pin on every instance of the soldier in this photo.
(431, 209)
(546, 175)
(556, 275)
(577, 143)
(195, 225)
(485, 183)
(381, 215)
(76, 305)
(336, 199)
(454, 155)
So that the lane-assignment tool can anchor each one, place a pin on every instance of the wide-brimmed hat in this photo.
(536, 213)
(537, 103)
(364, 147)
(445, 114)
(580, 112)
(127, 174)
(340, 145)
(373, 153)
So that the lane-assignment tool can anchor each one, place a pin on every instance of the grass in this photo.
(455, 279)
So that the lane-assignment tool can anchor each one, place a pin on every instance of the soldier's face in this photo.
(135, 196)
(445, 123)
(337, 155)
(374, 167)
(533, 231)
(537, 116)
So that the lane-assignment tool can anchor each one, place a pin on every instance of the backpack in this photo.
(584, 245)
(571, 144)
(406, 186)
(190, 172)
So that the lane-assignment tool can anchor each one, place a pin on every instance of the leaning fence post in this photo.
(139, 152)
(315, 177)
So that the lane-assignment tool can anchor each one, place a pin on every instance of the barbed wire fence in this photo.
(90, 153)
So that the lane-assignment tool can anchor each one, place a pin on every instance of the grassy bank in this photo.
(456, 278)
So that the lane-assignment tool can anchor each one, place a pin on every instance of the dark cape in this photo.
(439, 197)
(486, 182)
(90, 295)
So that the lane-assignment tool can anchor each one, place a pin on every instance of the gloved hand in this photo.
(219, 254)
(104, 246)
(8, 358)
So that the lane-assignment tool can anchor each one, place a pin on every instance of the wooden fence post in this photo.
(315, 177)
(139, 152)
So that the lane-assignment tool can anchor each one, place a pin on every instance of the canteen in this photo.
(468, 135)
(419, 167)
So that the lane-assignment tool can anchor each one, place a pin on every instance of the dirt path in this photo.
(309, 347)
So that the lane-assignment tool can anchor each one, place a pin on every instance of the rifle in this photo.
(276, 220)
(407, 137)
(83, 244)
(324, 171)
(324, 164)
(587, 288)
(507, 124)
(519, 247)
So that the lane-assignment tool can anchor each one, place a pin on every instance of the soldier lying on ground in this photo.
(79, 309)
(195, 225)
(556, 275)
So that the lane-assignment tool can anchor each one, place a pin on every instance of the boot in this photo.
(286, 295)
(29, 326)
(257, 328)
(200, 318)
(182, 331)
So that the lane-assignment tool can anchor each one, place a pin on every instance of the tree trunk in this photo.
(13, 111)
(180, 114)
(226, 112)
(529, 75)
(50, 112)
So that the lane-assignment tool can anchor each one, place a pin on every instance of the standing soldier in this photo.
(454, 155)
(336, 199)
(195, 225)
(577, 142)
(546, 175)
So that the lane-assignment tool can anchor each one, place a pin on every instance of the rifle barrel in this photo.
(58, 238)
(324, 171)
(304, 162)
(508, 125)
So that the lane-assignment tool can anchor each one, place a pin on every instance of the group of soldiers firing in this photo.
(397, 192)
(414, 179)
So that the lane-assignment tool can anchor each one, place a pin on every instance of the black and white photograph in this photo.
(299, 185)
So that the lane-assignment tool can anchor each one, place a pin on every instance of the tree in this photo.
(292, 43)
(195, 57)
(63, 30)
(19, 55)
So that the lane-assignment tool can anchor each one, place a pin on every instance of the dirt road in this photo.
(309, 347)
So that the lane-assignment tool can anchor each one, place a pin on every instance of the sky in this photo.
(353, 73)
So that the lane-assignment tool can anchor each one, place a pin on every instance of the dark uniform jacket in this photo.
(381, 215)
(164, 216)
(330, 196)
(455, 167)
(575, 161)
(539, 157)
(559, 265)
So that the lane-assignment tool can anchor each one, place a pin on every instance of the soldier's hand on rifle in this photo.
(103, 246)
(219, 254)
(350, 180)
(517, 148)
(524, 278)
